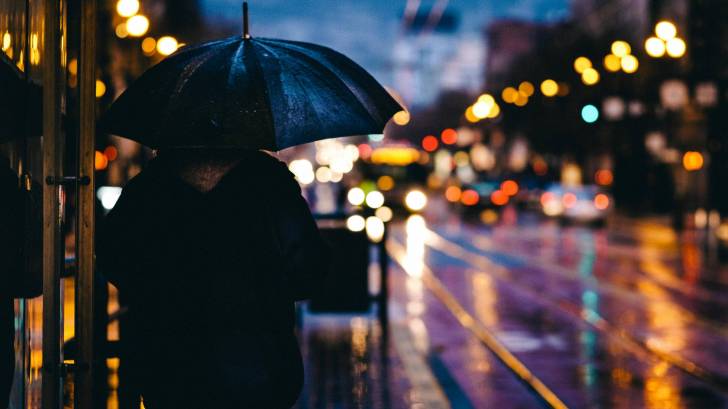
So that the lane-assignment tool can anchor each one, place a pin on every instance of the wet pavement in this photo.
(529, 313)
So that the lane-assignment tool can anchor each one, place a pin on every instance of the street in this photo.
(528, 312)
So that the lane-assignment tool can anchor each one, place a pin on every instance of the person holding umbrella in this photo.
(212, 243)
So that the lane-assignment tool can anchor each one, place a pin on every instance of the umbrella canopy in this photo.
(250, 93)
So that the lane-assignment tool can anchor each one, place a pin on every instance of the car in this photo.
(587, 204)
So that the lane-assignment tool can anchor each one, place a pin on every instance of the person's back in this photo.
(210, 265)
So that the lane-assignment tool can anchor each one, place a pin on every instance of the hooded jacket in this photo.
(211, 279)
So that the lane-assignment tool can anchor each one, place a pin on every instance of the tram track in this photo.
(540, 390)
(570, 309)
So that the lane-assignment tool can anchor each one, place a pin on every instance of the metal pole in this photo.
(52, 245)
(85, 361)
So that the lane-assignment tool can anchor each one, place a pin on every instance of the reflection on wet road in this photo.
(622, 317)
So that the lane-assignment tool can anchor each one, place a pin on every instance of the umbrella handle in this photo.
(246, 29)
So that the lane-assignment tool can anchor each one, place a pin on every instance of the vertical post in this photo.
(52, 212)
(85, 361)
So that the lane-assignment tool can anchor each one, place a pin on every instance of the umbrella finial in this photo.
(246, 29)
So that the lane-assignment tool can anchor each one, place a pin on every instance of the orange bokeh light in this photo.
(453, 194)
(470, 197)
(499, 198)
(509, 187)
(601, 201)
(101, 162)
(692, 161)
(449, 136)
(430, 143)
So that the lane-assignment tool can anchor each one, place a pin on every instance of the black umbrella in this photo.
(250, 93)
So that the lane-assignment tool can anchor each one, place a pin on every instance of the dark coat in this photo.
(211, 279)
(16, 209)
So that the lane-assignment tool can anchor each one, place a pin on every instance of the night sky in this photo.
(365, 29)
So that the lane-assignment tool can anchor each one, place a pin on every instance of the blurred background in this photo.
(548, 206)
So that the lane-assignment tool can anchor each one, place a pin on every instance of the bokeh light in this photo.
(415, 200)
(375, 199)
(356, 196)
(655, 47)
(430, 143)
(589, 113)
(401, 118)
(630, 64)
(590, 76)
(612, 63)
(675, 47)
(549, 88)
(665, 30)
(449, 136)
(137, 25)
(127, 8)
(581, 64)
(167, 45)
(692, 161)
(621, 48)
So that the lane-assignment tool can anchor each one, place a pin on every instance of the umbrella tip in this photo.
(246, 27)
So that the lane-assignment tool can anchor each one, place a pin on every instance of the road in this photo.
(529, 313)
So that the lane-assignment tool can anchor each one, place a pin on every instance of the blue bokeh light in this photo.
(589, 114)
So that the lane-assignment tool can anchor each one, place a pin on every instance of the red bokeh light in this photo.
(449, 136)
(111, 153)
(365, 151)
(509, 187)
(430, 143)
(470, 197)
(604, 177)
(499, 198)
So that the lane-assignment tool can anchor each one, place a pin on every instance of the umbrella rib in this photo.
(295, 49)
(264, 89)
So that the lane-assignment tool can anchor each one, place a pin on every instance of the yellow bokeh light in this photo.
(621, 48)
(486, 99)
(581, 64)
(121, 31)
(675, 47)
(127, 8)
(137, 25)
(100, 89)
(494, 112)
(401, 118)
(630, 64)
(149, 45)
(7, 41)
(167, 45)
(509, 95)
(73, 66)
(665, 30)
(526, 88)
(612, 63)
(655, 47)
(590, 76)
(481, 109)
(549, 88)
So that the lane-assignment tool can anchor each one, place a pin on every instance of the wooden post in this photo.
(85, 359)
(52, 210)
